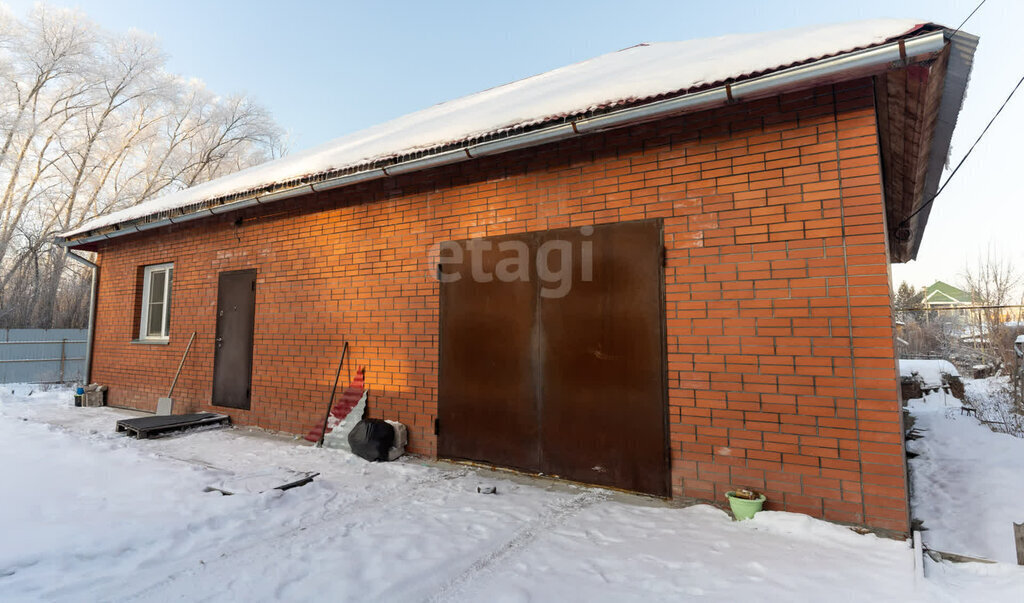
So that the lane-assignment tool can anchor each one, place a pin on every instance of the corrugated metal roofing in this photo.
(948, 291)
(631, 76)
(958, 72)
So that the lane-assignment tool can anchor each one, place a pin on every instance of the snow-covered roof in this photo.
(630, 76)
(928, 371)
(944, 293)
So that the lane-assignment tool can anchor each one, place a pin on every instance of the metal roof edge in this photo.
(748, 89)
(954, 89)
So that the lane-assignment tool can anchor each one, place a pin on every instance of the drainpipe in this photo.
(92, 312)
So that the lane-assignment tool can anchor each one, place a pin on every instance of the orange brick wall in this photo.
(781, 364)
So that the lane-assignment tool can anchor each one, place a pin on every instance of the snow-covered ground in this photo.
(87, 515)
(967, 481)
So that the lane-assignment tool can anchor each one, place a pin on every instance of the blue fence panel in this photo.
(41, 334)
(42, 355)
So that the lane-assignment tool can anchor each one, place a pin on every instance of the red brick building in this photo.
(677, 290)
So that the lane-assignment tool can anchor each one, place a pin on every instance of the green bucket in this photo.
(743, 508)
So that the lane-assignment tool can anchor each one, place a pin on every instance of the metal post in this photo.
(63, 343)
(330, 401)
(86, 373)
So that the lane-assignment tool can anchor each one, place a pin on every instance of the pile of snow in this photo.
(934, 400)
(967, 482)
(645, 71)
(928, 372)
(990, 391)
(337, 437)
(87, 514)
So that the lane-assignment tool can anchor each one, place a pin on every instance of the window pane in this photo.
(156, 286)
(156, 315)
(167, 306)
(156, 305)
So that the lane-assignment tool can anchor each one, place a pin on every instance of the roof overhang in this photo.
(917, 108)
(921, 46)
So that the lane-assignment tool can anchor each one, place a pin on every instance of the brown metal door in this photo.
(603, 390)
(564, 381)
(487, 389)
(232, 360)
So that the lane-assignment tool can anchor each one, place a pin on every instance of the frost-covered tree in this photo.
(907, 300)
(91, 122)
(993, 283)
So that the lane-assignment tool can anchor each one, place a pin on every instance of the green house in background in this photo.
(944, 295)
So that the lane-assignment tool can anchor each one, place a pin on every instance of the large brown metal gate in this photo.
(556, 379)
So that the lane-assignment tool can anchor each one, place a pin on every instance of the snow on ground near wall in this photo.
(989, 391)
(635, 73)
(87, 514)
(930, 371)
(967, 482)
(935, 401)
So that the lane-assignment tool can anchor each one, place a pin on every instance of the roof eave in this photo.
(958, 73)
(830, 69)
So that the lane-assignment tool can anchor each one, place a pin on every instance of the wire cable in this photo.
(963, 159)
(929, 201)
(968, 18)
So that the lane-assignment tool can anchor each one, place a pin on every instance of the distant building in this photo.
(941, 295)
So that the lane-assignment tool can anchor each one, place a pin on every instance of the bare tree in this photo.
(90, 123)
(993, 283)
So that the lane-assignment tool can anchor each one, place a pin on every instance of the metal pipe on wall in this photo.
(87, 372)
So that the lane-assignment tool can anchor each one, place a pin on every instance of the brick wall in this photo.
(780, 334)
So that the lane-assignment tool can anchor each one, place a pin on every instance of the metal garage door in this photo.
(553, 361)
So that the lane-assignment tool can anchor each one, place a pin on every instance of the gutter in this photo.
(92, 312)
(757, 87)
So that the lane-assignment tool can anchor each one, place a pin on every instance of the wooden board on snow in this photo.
(148, 427)
(254, 483)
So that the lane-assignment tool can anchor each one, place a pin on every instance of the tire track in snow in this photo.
(556, 514)
(178, 563)
(330, 513)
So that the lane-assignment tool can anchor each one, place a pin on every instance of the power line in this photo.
(962, 160)
(968, 17)
(959, 308)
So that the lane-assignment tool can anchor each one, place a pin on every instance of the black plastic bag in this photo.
(371, 439)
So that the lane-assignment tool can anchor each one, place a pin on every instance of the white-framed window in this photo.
(156, 302)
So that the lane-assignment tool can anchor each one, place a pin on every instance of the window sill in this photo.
(150, 341)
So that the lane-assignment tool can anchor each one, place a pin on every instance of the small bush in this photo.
(996, 405)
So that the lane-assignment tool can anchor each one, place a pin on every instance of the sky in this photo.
(326, 69)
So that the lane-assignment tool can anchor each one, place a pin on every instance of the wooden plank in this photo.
(1018, 538)
(895, 194)
(263, 482)
(918, 557)
(925, 81)
(214, 420)
(146, 427)
(955, 557)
